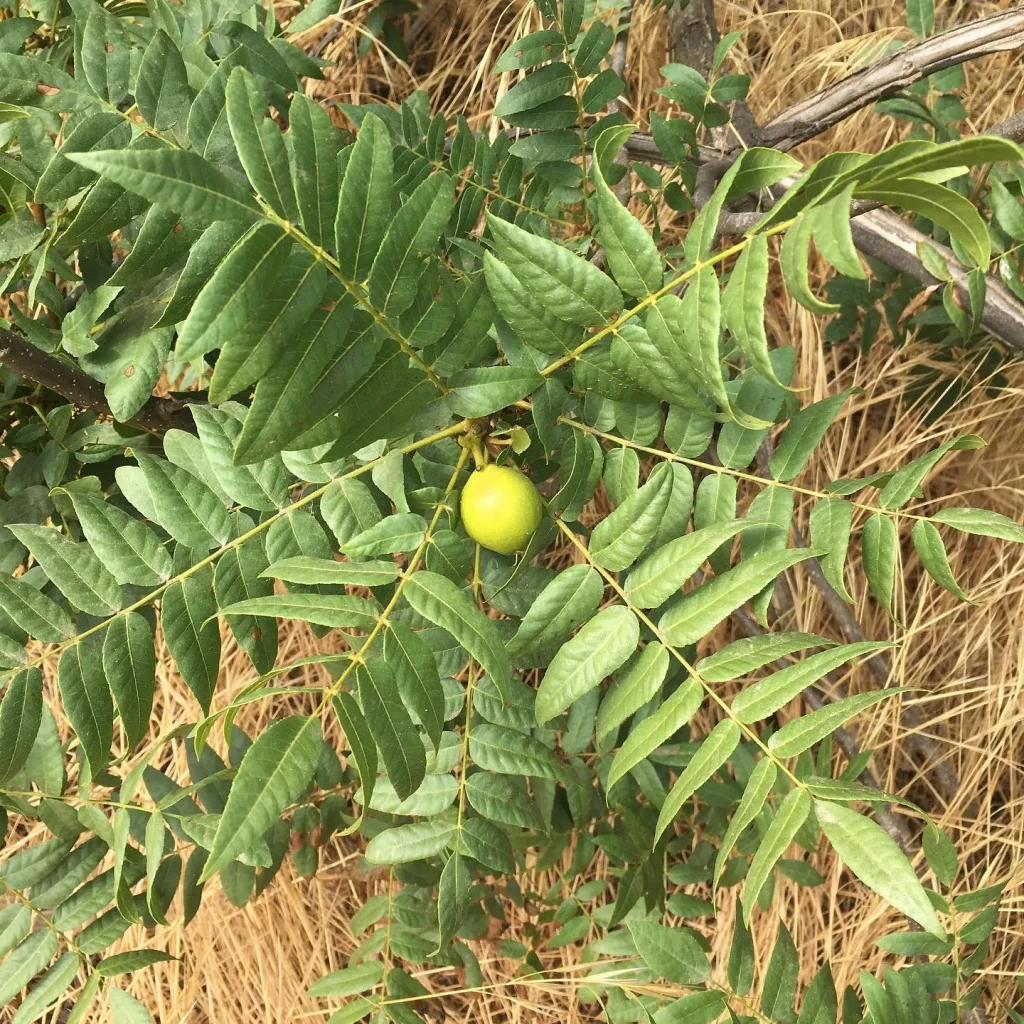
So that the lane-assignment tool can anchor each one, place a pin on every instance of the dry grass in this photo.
(254, 964)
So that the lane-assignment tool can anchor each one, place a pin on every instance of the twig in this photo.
(822, 110)
(157, 415)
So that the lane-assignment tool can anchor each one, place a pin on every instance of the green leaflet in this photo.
(497, 749)
(982, 522)
(175, 178)
(271, 320)
(349, 981)
(105, 55)
(793, 258)
(161, 90)
(488, 844)
(15, 922)
(652, 732)
(523, 312)
(20, 716)
(905, 482)
(662, 573)
(34, 612)
(364, 204)
(263, 485)
(86, 699)
(703, 1007)
(570, 599)
(307, 378)
(304, 569)
(778, 991)
(415, 668)
(743, 304)
(133, 960)
(833, 235)
(273, 773)
(204, 258)
(453, 892)
(183, 505)
(386, 398)
(621, 476)
(312, 152)
(713, 752)
(412, 231)
(880, 547)
(407, 843)
(599, 648)
(403, 531)
(130, 667)
(632, 689)
(802, 435)
(700, 318)
(187, 617)
(435, 794)
(61, 178)
(259, 143)
(31, 865)
(126, 547)
(162, 241)
(830, 531)
(360, 742)
(622, 535)
(25, 961)
(801, 734)
(237, 578)
(580, 459)
(632, 256)
(48, 989)
(868, 851)
(438, 599)
(695, 614)
(127, 1009)
(759, 785)
(932, 552)
(754, 652)
(73, 568)
(715, 502)
(672, 953)
(503, 798)
(335, 611)
(567, 286)
(766, 696)
(792, 813)
(538, 88)
(397, 740)
(480, 391)
(238, 285)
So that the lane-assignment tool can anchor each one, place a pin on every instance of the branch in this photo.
(822, 110)
(157, 415)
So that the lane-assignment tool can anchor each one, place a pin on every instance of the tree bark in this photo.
(157, 415)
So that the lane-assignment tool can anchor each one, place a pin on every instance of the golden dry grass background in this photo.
(254, 964)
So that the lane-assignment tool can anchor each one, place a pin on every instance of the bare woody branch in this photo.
(819, 112)
(157, 415)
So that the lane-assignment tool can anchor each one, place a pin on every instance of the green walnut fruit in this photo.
(501, 509)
